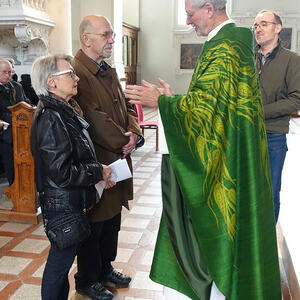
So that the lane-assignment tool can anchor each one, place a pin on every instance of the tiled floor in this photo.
(24, 247)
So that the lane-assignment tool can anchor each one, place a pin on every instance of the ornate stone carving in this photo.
(23, 33)
(36, 4)
(27, 32)
(7, 3)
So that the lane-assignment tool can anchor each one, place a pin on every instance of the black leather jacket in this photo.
(65, 162)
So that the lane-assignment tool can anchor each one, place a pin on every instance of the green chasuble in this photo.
(218, 223)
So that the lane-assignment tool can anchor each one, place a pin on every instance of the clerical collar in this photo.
(216, 30)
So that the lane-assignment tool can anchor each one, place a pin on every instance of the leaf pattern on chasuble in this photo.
(223, 94)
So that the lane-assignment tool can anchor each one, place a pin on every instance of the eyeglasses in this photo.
(6, 72)
(105, 35)
(263, 24)
(190, 15)
(70, 71)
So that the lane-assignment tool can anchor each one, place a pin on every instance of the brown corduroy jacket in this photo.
(104, 107)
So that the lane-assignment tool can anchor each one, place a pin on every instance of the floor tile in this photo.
(13, 265)
(129, 237)
(141, 175)
(149, 200)
(153, 191)
(3, 284)
(138, 181)
(150, 164)
(124, 255)
(154, 159)
(14, 227)
(147, 259)
(145, 169)
(39, 271)
(135, 223)
(4, 240)
(142, 210)
(39, 231)
(27, 292)
(134, 298)
(142, 281)
(32, 246)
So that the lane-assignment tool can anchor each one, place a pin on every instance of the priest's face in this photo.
(199, 18)
(5, 73)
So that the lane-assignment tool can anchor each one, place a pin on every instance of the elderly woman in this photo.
(65, 162)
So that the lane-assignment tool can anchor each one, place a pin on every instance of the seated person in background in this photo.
(29, 91)
(66, 165)
(3, 125)
(11, 92)
(14, 75)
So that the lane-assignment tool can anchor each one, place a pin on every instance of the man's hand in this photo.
(3, 125)
(147, 94)
(131, 145)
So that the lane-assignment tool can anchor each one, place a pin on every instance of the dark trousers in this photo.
(95, 255)
(55, 283)
(7, 153)
(277, 151)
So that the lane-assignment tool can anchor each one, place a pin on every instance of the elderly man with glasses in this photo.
(217, 235)
(279, 77)
(115, 133)
(11, 92)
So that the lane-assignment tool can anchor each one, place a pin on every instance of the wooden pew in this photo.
(22, 192)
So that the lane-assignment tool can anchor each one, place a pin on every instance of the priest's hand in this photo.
(166, 90)
(147, 94)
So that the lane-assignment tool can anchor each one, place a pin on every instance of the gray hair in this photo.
(42, 68)
(85, 26)
(5, 62)
(276, 17)
(217, 4)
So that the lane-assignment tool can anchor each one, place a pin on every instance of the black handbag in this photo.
(67, 229)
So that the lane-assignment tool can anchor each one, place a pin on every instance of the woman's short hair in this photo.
(42, 68)
(217, 4)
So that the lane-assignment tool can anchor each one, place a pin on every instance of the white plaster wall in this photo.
(131, 12)
(157, 50)
(290, 6)
(60, 40)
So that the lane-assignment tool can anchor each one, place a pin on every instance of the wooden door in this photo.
(130, 52)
